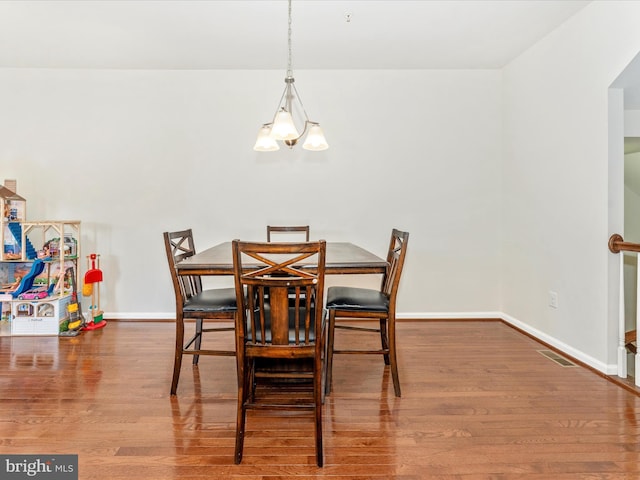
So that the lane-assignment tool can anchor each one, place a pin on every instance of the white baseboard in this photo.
(151, 316)
(449, 315)
(406, 316)
(607, 369)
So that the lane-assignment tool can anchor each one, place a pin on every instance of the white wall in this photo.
(134, 153)
(502, 178)
(556, 170)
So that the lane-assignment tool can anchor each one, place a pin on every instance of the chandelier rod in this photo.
(289, 67)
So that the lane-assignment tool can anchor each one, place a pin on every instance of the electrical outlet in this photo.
(553, 299)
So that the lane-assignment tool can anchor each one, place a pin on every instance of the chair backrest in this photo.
(395, 260)
(179, 245)
(281, 325)
(290, 229)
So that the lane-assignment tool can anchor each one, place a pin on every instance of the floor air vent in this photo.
(559, 359)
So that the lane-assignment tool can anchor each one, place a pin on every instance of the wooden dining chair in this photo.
(352, 303)
(290, 229)
(192, 302)
(280, 344)
(288, 232)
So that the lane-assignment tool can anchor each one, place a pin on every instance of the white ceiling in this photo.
(252, 34)
(244, 34)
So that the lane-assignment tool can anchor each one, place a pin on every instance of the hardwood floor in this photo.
(479, 401)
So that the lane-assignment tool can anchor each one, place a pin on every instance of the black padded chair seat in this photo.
(357, 299)
(214, 300)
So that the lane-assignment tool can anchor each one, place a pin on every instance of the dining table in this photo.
(342, 258)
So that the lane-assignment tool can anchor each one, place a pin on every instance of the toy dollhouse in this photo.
(34, 257)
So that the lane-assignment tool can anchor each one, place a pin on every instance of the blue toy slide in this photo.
(27, 281)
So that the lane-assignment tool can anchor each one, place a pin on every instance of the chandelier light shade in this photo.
(283, 127)
(315, 140)
(265, 142)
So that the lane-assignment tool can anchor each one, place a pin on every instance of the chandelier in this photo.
(282, 127)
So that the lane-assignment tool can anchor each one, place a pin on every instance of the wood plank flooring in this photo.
(479, 402)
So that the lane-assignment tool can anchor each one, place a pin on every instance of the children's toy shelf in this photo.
(36, 263)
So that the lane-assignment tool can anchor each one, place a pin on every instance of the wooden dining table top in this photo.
(341, 258)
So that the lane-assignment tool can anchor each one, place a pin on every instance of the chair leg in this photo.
(243, 391)
(329, 359)
(177, 365)
(238, 348)
(177, 361)
(384, 339)
(392, 354)
(240, 422)
(323, 363)
(198, 343)
(318, 394)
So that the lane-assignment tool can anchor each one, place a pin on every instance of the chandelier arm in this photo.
(287, 97)
(284, 93)
(307, 122)
(304, 130)
(306, 117)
